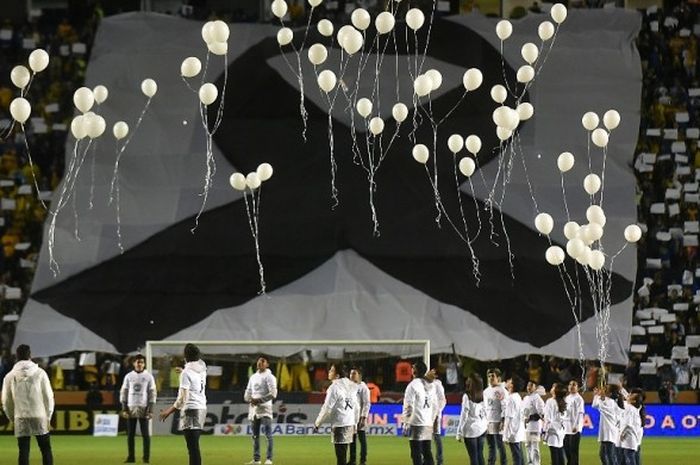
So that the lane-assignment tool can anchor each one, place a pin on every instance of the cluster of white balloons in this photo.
(20, 108)
(253, 180)
(545, 31)
(600, 136)
(506, 118)
(455, 143)
(427, 82)
(215, 34)
(88, 124)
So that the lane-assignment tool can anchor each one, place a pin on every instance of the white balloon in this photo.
(504, 29)
(279, 8)
(317, 54)
(467, 166)
(220, 31)
(353, 41)
(325, 28)
(611, 119)
(455, 143)
(208, 93)
(190, 67)
(149, 87)
(506, 117)
(633, 233)
(314, 3)
(20, 76)
(571, 229)
(421, 153)
(423, 85)
(584, 235)
(399, 112)
(525, 111)
(84, 99)
(554, 255)
(284, 36)
(526, 73)
(595, 231)
(78, 128)
(575, 247)
(364, 107)
(253, 180)
(544, 223)
(436, 78)
(415, 18)
(237, 181)
(361, 19)
(264, 171)
(600, 137)
(327, 80)
(38, 60)
(218, 48)
(100, 93)
(565, 161)
(96, 126)
(591, 183)
(545, 30)
(590, 121)
(342, 33)
(472, 79)
(207, 35)
(20, 109)
(120, 130)
(499, 93)
(595, 214)
(529, 52)
(584, 257)
(473, 144)
(503, 133)
(597, 260)
(558, 13)
(384, 22)
(376, 125)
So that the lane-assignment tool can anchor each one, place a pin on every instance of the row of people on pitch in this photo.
(621, 427)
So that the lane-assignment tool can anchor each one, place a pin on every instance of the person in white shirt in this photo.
(191, 402)
(260, 392)
(420, 412)
(554, 419)
(340, 407)
(137, 397)
(533, 413)
(472, 419)
(610, 404)
(641, 397)
(442, 402)
(495, 399)
(28, 402)
(573, 423)
(513, 424)
(363, 400)
(631, 429)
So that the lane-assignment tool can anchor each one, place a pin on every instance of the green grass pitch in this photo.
(170, 450)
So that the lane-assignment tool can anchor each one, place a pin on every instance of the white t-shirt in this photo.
(420, 404)
(138, 389)
(363, 400)
(630, 428)
(533, 404)
(261, 386)
(554, 424)
(472, 419)
(608, 430)
(495, 400)
(441, 403)
(193, 382)
(340, 404)
(574, 413)
(514, 425)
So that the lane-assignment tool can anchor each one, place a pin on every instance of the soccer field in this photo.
(170, 450)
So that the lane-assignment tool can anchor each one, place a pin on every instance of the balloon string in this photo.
(31, 166)
(472, 254)
(503, 71)
(252, 212)
(76, 231)
(92, 180)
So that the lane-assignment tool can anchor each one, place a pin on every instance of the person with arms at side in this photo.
(138, 397)
(573, 423)
(191, 402)
(610, 404)
(631, 429)
(472, 419)
(260, 392)
(364, 403)
(641, 398)
(420, 412)
(495, 399)
(554, 429)
(28, 402)
(533, 413)
(339, 409)
(513, 424)
(442, 402)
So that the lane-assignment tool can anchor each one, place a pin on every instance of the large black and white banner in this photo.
(327, 276)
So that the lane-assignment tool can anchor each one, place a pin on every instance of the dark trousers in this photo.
(361, 436)
(475, 449)
(516, 452)
(638, 454)
(438, 448)
(44, 442)
(131, 437)
(557, 455)
(571, 446)
(421, 453)
(608, 453)
(192, 440)
(341, 454)
(629, 457)
(263, 424)
(495, 441)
